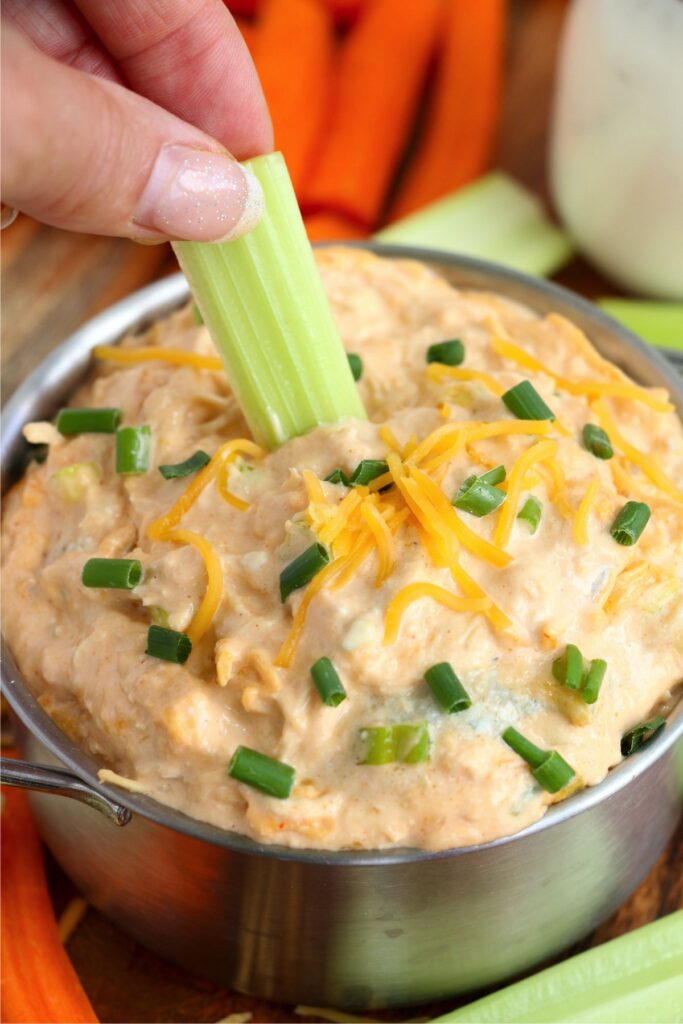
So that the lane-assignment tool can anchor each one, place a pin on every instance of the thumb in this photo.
(88, 155)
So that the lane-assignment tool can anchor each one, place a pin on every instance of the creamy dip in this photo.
(521, 597)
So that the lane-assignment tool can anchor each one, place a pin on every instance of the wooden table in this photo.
(54, 281)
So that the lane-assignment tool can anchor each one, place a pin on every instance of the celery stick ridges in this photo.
(263, 301)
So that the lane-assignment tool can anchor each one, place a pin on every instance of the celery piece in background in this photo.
(495, 219)
(634, 979)
(262, 298)
(659, 323)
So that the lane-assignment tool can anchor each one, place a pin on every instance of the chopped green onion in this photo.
(302, 570)
(548, 767)
(448, 691)
(597, 441)
(197, 314)
(171, 471)
(568, 669)
(524, 402)
(117, 573)
(478, 497)
(593, 680)
(337, 476)
(659, 323)
(327, 682)
(495, 218)
(262, 772)
(168, 644)
(133, 446)
(88, 421)
(641, 734)
(263, 301)
(630, 523)
(448, 353)
(384, 744)
(531, 512)
(635, 977)
(71, 482)
(494, 476)
(366, 471)
(356, 364)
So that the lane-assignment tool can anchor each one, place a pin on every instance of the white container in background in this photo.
(617, 140)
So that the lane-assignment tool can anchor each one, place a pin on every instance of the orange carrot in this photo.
(381, 69)
(39, 982)
(248, 30)
(343, 11)
(247, 7)
(293, 54)
(331, 227)
(461, 119)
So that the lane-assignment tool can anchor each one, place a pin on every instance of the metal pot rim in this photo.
(141, 308)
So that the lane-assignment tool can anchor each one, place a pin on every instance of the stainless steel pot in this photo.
(355, 929)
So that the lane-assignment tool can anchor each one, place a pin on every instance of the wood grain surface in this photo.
(52, 282)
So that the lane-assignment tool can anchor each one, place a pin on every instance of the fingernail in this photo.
(201, 196)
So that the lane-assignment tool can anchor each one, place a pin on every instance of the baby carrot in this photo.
(293, 53)
(325, 227)
(461, 119)
(380, 73)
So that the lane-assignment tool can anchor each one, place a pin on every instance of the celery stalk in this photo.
(495, 219)
(263, 301)
(635, 978)
(659, 323)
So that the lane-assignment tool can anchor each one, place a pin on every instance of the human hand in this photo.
(120, 118)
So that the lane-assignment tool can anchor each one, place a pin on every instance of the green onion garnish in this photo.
(133, 446)
(116, 573)
(641, 734)
(168, 644)
(356, 364)
(597, 441)
(302, 570)
(197, 314)
(593, 680)
(384, 744)
(548, 767)
(568, 668)
(337, 476)
(448, 691)
(88, 421)
(366, 471)
(171, 471)
(262, 772)
(630, 523)
(263, 301)
(524, 402)
(327, 682)
(494, 476)
(478, 497)
(530, 513)
(449, 353)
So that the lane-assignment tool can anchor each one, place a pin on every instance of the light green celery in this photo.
(263, 301)
(659, 323)
(495, 219)
(634, 979)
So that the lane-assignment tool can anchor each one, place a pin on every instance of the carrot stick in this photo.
(248, 30)
(39, 982)
(330, 227)
(461, 120)
(293, 54)
(247, 7)
(381, 69)
(345, 11)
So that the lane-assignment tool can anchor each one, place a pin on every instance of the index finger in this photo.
(189, 57)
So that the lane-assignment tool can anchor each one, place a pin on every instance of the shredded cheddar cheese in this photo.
(584, 510)
(313, 486)
(154, 353)
(384, 541)
(438, 372)
(414, 592)
(214, 589)
(641, 459)
(642, 585)
(539, 452)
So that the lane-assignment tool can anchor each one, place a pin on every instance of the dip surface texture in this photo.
(174, 728)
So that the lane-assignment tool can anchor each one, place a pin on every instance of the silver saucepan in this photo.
(354, 929)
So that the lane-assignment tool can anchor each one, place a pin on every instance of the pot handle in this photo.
(46, 779)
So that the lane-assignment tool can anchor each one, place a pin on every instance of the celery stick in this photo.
(634, 979)
(263, 301)
(659, 323)
(495, 219)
